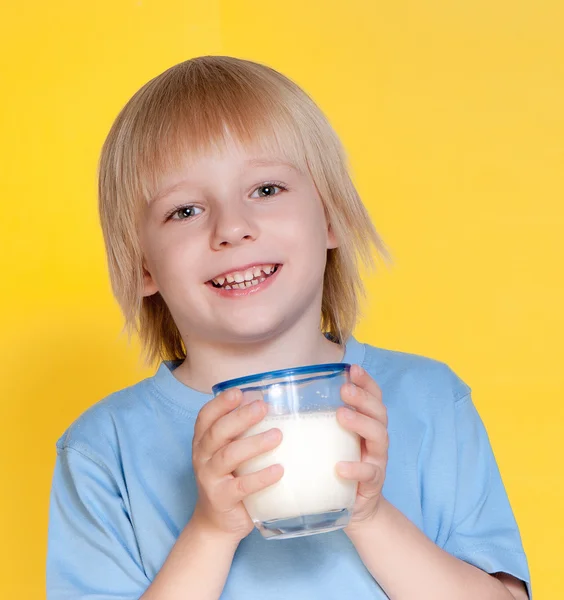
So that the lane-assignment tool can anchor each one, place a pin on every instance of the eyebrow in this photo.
(252, 162)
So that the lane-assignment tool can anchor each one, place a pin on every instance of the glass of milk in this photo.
(302, 402)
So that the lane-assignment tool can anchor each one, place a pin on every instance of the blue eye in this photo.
(266, 190)
(182, 213)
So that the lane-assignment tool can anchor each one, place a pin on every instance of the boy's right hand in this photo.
(216, 453)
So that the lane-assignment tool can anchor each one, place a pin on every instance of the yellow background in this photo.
(452, 113)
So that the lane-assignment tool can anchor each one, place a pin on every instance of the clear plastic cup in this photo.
(311, 497)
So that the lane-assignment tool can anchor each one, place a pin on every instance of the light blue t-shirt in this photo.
(123, 490)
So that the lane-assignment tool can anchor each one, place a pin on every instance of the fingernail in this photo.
(352, 389)
(359, 370)
(348, 414)
(271, 435)
(276, 469)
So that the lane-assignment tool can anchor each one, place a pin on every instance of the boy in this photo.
(232, 231)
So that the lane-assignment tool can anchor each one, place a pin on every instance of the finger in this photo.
(239, 488)
(363, 380)
(251, 395)
(221, 405)
(231, 456)
(363, 402)
(362, 472)
(229, 427)
(364, 394)
(371, 430)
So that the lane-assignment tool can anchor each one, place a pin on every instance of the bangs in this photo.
(199, 107)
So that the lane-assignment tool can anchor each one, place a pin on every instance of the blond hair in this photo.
(190, 108)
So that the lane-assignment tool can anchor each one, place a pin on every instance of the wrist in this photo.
(206, 534)
(370, 525)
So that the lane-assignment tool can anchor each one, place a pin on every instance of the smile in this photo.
(241, 280)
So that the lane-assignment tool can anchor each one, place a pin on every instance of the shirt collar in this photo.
(189, 399)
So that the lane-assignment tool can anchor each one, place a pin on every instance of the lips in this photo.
(245, 278)
(245, 289)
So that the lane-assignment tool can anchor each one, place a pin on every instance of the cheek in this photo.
(179, 246)
(303, 222)
(174, 260)
(305, 244)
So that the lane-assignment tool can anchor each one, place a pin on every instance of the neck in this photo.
(208, 363)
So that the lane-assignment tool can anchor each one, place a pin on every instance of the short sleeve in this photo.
(484, 531)
(92, 551)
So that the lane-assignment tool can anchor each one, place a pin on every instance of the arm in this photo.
(92, 550)
(483, 548)
(199, 563)
(409, 565)
(92, 546)
(197, 567)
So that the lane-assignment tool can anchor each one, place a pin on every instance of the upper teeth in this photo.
(244, 276)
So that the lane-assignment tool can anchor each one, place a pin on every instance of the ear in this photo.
(331, 238)
(149, 284)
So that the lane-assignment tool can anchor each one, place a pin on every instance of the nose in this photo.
(232, 228)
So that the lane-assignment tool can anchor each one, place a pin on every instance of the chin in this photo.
(253, 335)
(255, 327)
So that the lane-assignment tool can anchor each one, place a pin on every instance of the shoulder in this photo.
(98, 432)
(412, 376)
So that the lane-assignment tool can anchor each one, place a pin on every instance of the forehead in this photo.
(186, 138)
(233, 158)
(256, 153)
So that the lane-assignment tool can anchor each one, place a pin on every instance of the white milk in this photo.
(313, 443)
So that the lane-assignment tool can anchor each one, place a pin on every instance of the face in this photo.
(236, 244)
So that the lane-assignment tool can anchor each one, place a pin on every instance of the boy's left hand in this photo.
(370, 422)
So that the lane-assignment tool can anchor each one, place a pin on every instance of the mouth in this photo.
(252, 277)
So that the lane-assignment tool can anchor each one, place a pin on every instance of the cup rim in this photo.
(330, 368)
